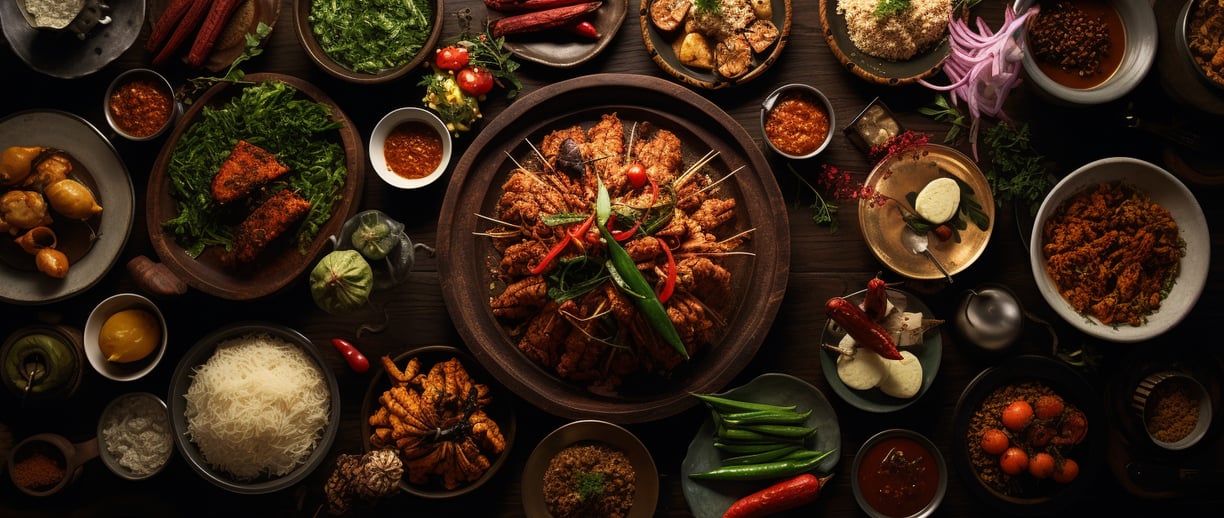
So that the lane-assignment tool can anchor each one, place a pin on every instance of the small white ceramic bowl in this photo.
(1156, 383)
(93, 328)
(1139, 22)
(384, 128)
(146, 417)
(1163, 188)
(139, 74)
(814, 95)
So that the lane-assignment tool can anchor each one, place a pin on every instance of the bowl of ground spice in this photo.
(1088, 52)
(796, 120)
(1175, 409)
(140, 104)
(410, 148)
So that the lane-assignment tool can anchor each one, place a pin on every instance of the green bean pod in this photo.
(764, 417)
(781, 430)
(646, 301)
(744, 448)
(725, 404)
(757, 458)
(742, 435)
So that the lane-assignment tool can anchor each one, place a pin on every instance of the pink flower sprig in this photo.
(838, 185)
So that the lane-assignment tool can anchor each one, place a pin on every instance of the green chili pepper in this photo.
(739, 448)
(725, 404)
(785, 467)
(648, 303)
(781, 430)
(728, 434)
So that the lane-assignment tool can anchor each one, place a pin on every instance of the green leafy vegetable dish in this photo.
(371, 36)
(300, 133)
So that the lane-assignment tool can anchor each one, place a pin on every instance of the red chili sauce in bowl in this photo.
(141, 107)
(797, 124)
(413, 150)
(897, 476)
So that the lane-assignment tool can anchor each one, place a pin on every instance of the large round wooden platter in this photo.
(280, 263)
(464, 258)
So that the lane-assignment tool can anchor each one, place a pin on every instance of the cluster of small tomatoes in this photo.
(1035, 437)
(472, 79)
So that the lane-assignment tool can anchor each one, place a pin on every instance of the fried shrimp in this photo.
(1113, 253)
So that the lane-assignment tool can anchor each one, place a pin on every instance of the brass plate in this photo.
(910, 171)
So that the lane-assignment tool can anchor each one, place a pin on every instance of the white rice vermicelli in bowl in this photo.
(257, 407)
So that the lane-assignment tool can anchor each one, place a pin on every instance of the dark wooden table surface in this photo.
(822, 264)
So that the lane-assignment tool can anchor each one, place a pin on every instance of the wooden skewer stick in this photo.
(838, 350)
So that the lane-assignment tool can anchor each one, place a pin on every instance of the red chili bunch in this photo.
(183, 18)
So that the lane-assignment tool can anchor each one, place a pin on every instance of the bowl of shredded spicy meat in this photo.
(1120, 249)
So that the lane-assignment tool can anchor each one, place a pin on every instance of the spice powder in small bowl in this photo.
(796, 121)
(1175, 409)
(140, 104)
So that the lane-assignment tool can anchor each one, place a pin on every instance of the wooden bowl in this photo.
(310, 43)
(662, 49)
(281, 263)
(758, 282)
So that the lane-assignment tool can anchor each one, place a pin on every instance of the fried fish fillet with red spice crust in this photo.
(264, 224)
(248, 167)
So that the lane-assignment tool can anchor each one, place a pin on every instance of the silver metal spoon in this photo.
(917, 243)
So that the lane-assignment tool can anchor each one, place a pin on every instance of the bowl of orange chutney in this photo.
(796, 120)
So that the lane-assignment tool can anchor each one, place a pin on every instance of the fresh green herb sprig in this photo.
(708, 6)
(823, 211)
(234, 74)
(888, 8)
(1016, 171)
(490, 53)
(942, 110)
(588, 485)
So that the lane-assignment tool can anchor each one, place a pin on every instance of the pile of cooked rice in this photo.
(257, 407)
(896, 37)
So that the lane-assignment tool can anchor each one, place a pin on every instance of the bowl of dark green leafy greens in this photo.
(368, 42)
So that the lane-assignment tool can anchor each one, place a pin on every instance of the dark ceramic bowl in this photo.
(310, 43)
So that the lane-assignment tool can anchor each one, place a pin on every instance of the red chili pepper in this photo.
(863, 329)
(355, 359)
(875, 302)
(669, 284)
(782, 496)
(573, 234)
(621, 235)
(584, 28)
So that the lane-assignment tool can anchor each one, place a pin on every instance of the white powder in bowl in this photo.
(136, 434)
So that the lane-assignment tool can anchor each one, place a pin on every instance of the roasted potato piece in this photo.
(72, 199)
(667, 15)
(20, 210)
(762, 8)
(733, 57)
(761, 35)
(51, 169)
(695, 51)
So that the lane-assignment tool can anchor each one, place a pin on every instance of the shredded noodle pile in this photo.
(257, 407)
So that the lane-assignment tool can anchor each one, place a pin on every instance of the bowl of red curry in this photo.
(1120, 249)
(796, 120)
(140, 104)
(410, 148)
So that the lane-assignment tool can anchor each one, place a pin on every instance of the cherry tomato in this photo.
(1014, 461)
(1065, 471)
(636, 174)
(1017, 415)
(474, 80)
(453, 57)
(1048, 406)
(1041, 465)
(994, 441)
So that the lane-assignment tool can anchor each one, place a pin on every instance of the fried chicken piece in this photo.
(264, 224)
(248, 167)
(21, 210)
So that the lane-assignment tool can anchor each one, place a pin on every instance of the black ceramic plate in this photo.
(710, 499)
(561, 49)
(500, 410)
(101, 169)
(871, 68)
(1090, 455)
(60, 53)
(662, 51)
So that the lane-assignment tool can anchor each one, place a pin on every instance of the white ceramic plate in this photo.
(1170, 193)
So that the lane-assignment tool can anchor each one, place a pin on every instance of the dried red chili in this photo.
(140, 108)
(413, 150)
